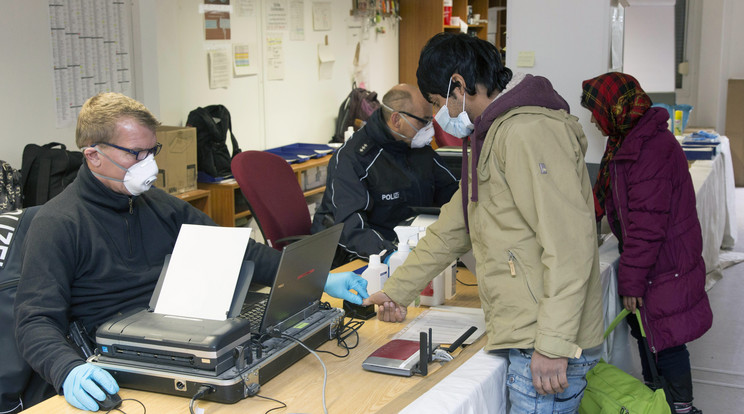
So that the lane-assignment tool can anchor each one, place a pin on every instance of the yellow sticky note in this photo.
(526, 59)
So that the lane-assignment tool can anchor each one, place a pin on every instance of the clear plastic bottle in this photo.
(376, 274)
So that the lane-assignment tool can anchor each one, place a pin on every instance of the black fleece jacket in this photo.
(372, 182)
(92, 253)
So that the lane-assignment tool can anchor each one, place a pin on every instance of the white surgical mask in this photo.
(459, 127)
(423, 136)
(139, 177)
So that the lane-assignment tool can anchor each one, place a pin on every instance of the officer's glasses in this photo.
(422, 120)
(139, 155)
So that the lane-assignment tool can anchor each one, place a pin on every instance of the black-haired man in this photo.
(526, 210)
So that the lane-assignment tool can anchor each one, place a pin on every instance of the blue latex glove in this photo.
(84, 383)
(338, 285)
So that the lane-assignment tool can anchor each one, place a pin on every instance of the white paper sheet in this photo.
(219, 69)
(245, 61)
(274, 56)
(447, 323)
(203, 271)
(325, 62)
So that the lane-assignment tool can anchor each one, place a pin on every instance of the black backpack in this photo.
(359, 104)
(11, 197)
(47, 170)
(20, 386)
(212, 124)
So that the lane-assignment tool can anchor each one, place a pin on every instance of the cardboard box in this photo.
(177, 159)
(735, 127)
(314, 177)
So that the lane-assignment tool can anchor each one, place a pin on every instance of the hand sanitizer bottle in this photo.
(405, 234)
(376, 274)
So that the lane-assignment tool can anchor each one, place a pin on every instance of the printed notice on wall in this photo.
(219, 69)
(244, 59)
(322, 16)
(245, 8)
(276, 15)
(274, 57)
(297, 20)
(216, 19)
(91, 52)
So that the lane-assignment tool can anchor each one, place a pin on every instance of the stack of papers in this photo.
(447, 323)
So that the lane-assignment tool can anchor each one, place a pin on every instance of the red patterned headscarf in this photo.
(617, 102)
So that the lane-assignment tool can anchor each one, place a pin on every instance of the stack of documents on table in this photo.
(701, 145)
(447, 323)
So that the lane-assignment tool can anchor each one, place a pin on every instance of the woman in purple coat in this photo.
(645, 189)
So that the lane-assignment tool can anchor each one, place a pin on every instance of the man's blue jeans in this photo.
(525, 400)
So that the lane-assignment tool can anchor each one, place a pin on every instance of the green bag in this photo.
(611, 390)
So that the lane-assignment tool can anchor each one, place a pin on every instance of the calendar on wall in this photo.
(91, 52)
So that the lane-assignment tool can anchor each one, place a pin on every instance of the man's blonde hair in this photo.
(98, 117)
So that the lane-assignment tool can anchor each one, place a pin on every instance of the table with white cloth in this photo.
(713, 181)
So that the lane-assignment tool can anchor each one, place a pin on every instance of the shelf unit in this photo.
(421, 20)
(227, 201)
(199, 199)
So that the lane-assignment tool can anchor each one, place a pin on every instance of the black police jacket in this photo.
(372, 182)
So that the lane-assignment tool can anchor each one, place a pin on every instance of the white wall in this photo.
(721, 58)
(171, 74)
(27, 106)
(569, 46)
(648, 52)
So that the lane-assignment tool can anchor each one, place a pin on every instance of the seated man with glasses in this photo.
(384, 169)
(96, 249)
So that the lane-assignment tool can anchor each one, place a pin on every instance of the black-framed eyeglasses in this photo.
(139, 155)
(422, 120)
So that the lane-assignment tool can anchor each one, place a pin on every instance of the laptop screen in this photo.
(300, 278)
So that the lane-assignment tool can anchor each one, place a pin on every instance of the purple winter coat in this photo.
(652, 203)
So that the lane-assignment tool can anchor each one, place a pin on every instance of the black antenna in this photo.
(430, 351)
(462, 339)
(423, 365)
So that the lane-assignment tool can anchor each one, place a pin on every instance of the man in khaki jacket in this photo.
(525, 207)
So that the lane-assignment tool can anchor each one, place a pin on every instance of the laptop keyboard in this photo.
(254, 312)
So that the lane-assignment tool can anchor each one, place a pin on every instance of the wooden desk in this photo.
(350, 389)
(199, 199)
(228, 203)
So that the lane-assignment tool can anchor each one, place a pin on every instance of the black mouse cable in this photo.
(144, 409)
(325, 371)
(200, 393)
(465, 284)
(283, 405)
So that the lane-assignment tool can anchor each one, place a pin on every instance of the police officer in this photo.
(385, 168)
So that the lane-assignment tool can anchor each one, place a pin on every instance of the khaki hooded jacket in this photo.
(533, 234)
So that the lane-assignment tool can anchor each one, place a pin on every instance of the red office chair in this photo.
(274, 196)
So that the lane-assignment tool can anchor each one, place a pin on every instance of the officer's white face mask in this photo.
(460, 126)
(139, 177)
(423, 136)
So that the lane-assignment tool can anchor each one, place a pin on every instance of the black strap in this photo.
(42, 185)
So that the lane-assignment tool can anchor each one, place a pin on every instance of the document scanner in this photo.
(167, 340)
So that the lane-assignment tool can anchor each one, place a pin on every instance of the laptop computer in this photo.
(298, 285)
